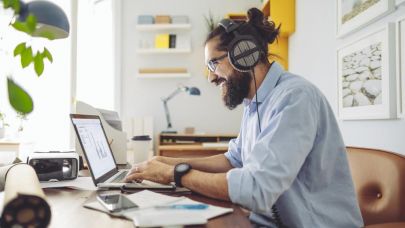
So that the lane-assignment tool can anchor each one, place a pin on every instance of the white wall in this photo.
(312, 54)
(141, 97)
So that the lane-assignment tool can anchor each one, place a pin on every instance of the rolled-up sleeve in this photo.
(233, 154)
(278, 154)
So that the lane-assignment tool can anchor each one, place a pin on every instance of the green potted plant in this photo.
(210, 21)
(34, 19)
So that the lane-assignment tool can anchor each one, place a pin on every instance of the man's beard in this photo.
(236, 88)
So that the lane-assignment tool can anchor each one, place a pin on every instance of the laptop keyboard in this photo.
(120, 177)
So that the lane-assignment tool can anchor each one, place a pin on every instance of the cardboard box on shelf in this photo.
(180, 19)
(162, 19)
(146, 19)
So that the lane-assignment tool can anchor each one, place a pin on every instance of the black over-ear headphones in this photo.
(243, 50)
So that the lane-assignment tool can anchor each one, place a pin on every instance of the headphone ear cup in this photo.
(243, 55)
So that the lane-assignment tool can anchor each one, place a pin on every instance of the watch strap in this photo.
(178, 175)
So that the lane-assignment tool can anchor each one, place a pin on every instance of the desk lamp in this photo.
(190, 90)
(52, 22)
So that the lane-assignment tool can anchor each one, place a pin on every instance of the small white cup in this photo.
(140, 149)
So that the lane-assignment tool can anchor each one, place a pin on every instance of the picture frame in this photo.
(400, 38)
(366, 76)
(353, 15)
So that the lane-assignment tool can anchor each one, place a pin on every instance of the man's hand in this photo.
(152, 170)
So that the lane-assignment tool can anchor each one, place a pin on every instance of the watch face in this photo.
(181, 167)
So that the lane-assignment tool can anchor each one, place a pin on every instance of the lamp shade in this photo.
(194, 91)
(52, 22)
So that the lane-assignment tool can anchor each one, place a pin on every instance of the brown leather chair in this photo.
(379, 180)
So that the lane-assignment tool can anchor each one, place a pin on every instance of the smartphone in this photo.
(115, 202)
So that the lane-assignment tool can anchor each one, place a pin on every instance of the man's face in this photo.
(234, 84)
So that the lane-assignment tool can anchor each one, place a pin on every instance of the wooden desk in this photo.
(68, 211)
(193, 145)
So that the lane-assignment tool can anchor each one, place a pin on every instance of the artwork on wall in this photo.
(355, 14)
(366, 76)
(400, 31)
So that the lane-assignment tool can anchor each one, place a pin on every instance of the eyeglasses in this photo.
(213, 63)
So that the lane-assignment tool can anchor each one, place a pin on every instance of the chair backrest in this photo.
(379, 180)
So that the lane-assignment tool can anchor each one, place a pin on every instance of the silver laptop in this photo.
(99, 157)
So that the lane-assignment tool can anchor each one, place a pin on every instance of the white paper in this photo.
(147, 215)
(148, 198)
(151, 216)
(155, 217)
(81, 183)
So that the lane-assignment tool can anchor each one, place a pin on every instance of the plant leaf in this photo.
(31, 23)
(48, 55)
(19, 99)
(39, 63)
(28, 26)
(26, 57)
(20, 26)
(16, 6)
(6, 4)
(19, 49)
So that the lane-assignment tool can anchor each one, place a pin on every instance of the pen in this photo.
(184, 206)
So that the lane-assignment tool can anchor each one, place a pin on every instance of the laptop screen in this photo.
(95, 145)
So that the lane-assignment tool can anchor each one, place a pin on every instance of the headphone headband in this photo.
(229, 25)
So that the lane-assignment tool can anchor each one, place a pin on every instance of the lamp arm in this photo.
(174, 93)
(169, 122)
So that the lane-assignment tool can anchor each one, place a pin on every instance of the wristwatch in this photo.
(180, 170)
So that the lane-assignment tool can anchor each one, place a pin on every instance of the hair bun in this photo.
(267, 29)
(255, 16)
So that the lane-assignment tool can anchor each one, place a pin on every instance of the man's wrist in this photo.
(170, 173)
(170, 161)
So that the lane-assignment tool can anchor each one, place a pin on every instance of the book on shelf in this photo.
(172, 41)
(162, 41)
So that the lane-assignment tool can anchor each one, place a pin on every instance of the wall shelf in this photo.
(155, 27)
(163, 50)
(164, 75)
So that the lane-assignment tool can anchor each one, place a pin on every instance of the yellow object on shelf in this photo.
(237, 16)
(162, 41)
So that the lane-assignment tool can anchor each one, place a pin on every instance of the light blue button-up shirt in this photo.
(297, 161)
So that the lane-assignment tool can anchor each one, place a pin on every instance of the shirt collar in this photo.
(268, 84)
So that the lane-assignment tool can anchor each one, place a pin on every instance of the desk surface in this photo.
(68, 211)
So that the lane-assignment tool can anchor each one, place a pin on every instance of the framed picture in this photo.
(400, 31)
(366, 76)
(355, 14)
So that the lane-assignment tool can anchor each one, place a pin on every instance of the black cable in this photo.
(257, 103)
(274, 209)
